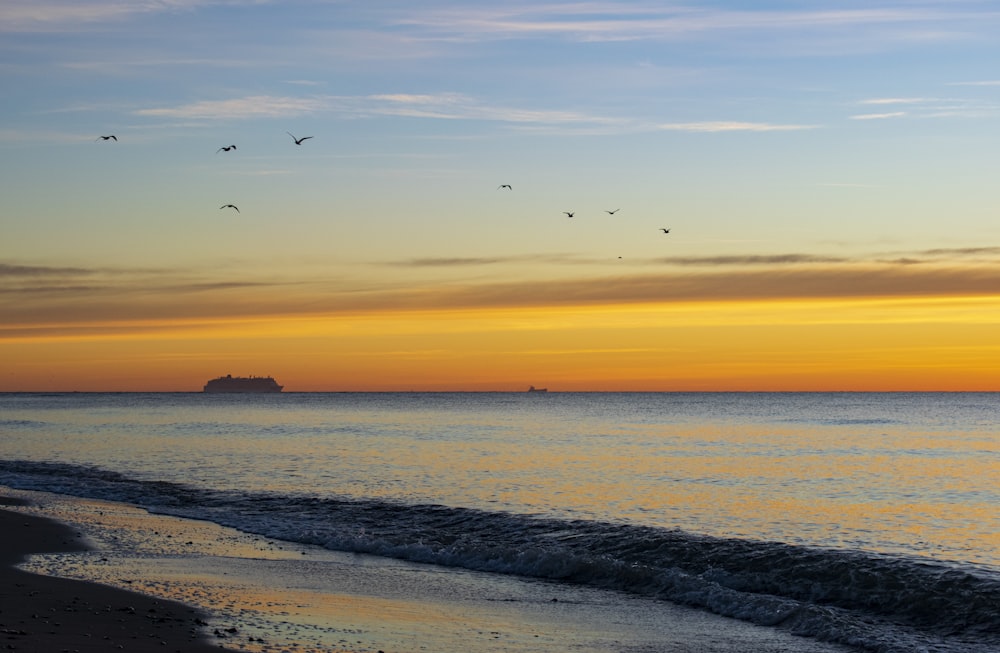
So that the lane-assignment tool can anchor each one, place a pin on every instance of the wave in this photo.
(862, 599)
(21, 423)
(842, 421)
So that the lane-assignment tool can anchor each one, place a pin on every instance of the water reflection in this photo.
(905, 473)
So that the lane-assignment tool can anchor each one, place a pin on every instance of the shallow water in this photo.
(268, 595)
(806, 512)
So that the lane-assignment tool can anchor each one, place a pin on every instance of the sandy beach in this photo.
(43, 613)
(205, 587)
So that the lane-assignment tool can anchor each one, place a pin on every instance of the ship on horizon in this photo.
(230, 383)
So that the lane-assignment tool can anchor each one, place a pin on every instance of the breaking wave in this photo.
(870, 601)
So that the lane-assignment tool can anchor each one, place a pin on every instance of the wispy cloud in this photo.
(928, 107)
(38, 14)
(65, 15)
(13, 271)
(476, 261)
(961, 252)
(587, 19)
(51, 295)
(988, 82)
(455, 261)
(897, 100)
(254, 106)
(440, 106)
(752, 260)
(26, 279)
(879, 116)
(836, 281)
(607, 21)
(731, 126)
(458, 106)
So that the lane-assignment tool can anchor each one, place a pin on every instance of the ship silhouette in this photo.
(230, 383)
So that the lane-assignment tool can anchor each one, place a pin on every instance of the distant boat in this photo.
(230, 383)
(534, 389)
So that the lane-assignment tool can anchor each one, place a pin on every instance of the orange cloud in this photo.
(787, 322)
(66, 297)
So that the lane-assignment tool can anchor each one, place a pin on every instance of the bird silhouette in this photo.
(229, 206)
(298, 141)
(225, 148)
(105, 138)
(507, 186)
(666, 231)
(612, 212)
(569, 214)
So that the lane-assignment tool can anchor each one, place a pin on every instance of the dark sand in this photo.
(43, 613)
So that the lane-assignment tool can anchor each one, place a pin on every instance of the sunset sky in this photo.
(829, 173)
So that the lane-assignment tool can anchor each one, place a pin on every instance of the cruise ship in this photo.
(230, 383)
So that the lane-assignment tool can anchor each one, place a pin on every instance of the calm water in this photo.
(869, 519)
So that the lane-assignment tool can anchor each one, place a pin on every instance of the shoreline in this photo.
(46, 613)
(210, 588)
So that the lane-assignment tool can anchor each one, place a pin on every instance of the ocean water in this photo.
(868, 520)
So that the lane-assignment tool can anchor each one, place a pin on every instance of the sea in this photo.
(868, 521)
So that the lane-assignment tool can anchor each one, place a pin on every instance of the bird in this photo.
(229, 206)
(569, 214)
(507, 186)
(612, 212)
(298, 141)
(225, 148)
(105, 138)
(666, 231)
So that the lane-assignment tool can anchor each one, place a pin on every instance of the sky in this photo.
(827, 172)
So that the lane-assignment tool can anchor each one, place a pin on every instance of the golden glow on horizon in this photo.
(866, 344)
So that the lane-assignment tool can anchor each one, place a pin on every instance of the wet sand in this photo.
(43, 613)
(258, 595)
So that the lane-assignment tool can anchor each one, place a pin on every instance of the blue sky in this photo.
(790, 140)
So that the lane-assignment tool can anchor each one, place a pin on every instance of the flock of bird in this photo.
(224, 148)
(299, 141)
(570, 214)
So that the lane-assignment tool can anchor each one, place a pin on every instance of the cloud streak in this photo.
(440, 106)
(474, 261)
(897, 100)
(752, 260)
(731, 126)
(41, 298)
(255, 106)
(879, 116)
(928, 107)
(606, 21)
(586, 21)
(11, 271)
(76, 15)
(988, 82)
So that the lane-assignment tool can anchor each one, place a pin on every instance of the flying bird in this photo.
(507, 186)
(569, 214)
(225, 148)
(612, 212)
(229, 206)
(298, 141)
(666, 231)
(105, 138)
